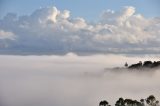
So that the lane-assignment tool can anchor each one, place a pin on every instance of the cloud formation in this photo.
(6, 35)
(49, 30)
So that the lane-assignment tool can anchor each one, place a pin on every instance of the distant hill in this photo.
(141, 66)
(145, 65)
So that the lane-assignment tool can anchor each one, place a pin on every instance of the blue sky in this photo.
(89, 9)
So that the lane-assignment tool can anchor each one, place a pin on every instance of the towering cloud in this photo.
(49, 30)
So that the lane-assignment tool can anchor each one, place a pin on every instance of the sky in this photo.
(60, 31)
(82, 27)
(89, 9)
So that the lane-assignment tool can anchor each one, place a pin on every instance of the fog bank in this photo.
(72, 80)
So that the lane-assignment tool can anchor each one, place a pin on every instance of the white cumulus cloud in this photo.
(49, 30)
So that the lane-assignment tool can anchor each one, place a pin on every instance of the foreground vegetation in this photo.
(149, 101)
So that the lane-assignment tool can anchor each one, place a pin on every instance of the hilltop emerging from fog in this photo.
(146, 65)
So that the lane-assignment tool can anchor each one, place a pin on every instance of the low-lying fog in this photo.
(72, 80)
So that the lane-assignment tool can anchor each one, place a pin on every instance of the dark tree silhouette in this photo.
(156, 64)
(120, 102)
(129, 102)
(142, 102)
(148, 64)
(104, 103)
(149, 101)
(126, 64)
(136, 66)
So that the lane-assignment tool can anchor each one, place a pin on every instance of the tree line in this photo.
(145, 64)
(149, 101)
